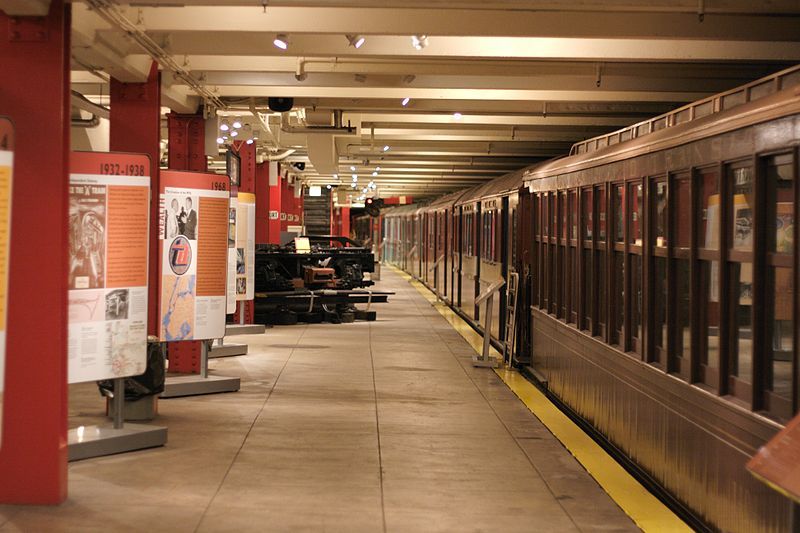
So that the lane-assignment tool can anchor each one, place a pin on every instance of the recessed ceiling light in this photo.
(375, 173)
(281, 41)
(457, 115)
(405, 101)
(352, 168)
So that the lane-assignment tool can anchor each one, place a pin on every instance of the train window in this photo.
(708, 234)
(660, 124)
(573, 215)
(762, 89)
(618, 301)
(586, 200)
(683, 115)
(586, 293)
(780, 349)
(740, 233)
(545, 215)
(636, 302)
(780, 194)
(635, 221)
(709, 323)
(780, 341)
(600, 192)
(660, 214)
(659, 310)
(600, 260)
(681, 331)
(683, 204)
(619, 213)
(740, 197)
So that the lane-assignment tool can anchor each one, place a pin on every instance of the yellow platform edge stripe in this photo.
(647, 511)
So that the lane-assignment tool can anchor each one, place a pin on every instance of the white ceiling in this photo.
(529, 78)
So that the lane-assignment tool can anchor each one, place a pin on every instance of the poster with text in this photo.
(231, 286)
(194, 227)
(109, 207)
(245, 246)
(6, 180)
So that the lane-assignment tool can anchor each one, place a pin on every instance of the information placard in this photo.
(109, 203)
(6, 180)
(245, 246)
(195, 212)
(777, 463)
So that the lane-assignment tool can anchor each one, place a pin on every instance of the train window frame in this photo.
(618, 288)
(587, 260)
(773, 404)
(739, 383)
(600, 265)
(658, 254)
(680, 255)
(635, 217)
(572, 243)
(562, 269)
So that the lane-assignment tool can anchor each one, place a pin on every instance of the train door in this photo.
(441, 253)
(490, 256)
(525, 260)
(455, 257)
(470, 217)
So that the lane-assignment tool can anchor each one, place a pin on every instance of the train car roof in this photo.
(776, 105)
(500, 185)
(449, 199)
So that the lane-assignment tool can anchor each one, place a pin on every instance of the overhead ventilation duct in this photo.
(323, 153)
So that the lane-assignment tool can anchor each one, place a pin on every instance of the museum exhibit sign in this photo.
(194, 227)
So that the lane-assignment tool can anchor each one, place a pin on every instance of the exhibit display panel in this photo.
(6, 179)
(245, 246)
(109, 198)
(195, 213)
(231, 279)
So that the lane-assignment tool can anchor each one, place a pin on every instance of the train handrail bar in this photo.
(493, 288)
(436, 263)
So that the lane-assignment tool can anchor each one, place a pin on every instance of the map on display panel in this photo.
(6, 180)
(109, 213)
(194, 228)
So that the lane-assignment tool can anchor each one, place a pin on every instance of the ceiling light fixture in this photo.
(224, 126)
(249, 141)
(375, 173)
(419, 41)
(220, 140)
(328, 186)
(405, 101)
(386, 148)
(281, 41)
(352, 168)
(457, 115)
(355, 177)
(356, 41)
(237, 123)
(234, 133)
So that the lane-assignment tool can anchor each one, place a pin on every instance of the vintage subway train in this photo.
(658, 301)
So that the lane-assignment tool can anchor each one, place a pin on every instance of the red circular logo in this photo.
(180, 255)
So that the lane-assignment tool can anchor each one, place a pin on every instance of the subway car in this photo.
(658, 304)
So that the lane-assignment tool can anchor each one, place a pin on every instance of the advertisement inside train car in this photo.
(109, 207)
(6, 180)
(245, 246)
(195, 218)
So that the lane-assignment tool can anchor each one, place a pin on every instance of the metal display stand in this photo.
(485, 360)
(197, 384)
(96, 441)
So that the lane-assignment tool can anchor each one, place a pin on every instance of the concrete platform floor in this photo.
(381, 426)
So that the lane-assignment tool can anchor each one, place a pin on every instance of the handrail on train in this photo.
(701, 108)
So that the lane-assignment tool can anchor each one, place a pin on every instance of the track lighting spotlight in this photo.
(356, 41)
(419, 41)
(281, 41)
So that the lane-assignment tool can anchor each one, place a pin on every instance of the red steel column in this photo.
(186, 151)
(35, 59)
(135, 126)
(275, 205)
(345, 222)
(262, 202)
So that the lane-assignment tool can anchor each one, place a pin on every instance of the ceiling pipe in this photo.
(83, 103)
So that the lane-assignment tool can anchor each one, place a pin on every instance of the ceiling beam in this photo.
(765, 25)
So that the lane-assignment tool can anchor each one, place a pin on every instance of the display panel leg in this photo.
(86, 442)
(204, 383)
(485, 360)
